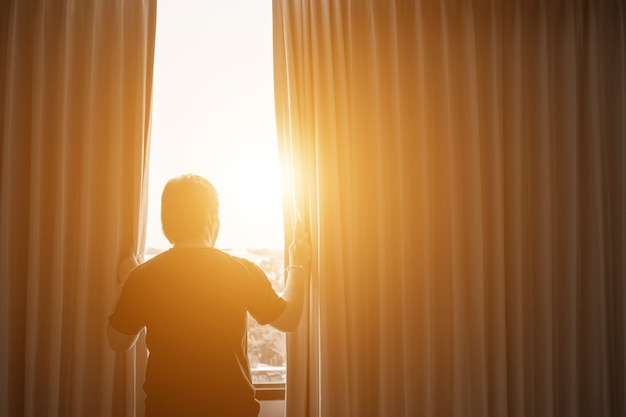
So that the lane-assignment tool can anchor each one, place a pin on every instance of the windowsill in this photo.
(270, 392)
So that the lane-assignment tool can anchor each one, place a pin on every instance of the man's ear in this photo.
(214, 227)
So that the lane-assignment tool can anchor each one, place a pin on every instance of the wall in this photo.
(272, 408)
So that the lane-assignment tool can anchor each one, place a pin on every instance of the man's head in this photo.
(189, 209)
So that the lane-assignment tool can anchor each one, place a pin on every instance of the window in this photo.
(213, 114)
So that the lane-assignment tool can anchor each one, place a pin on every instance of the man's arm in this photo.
(294, 296)
(119, 341)
(297, 278)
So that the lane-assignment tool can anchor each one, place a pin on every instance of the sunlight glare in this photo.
(213, 115)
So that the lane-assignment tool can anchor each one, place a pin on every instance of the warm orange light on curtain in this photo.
(75, 79)
(463, 166)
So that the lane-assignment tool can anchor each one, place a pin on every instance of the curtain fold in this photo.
(461, 167)
(75, 79)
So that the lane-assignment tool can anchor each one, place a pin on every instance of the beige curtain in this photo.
(462, 166)
(75, 80)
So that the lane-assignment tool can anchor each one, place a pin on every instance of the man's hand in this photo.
(297, 280)
(125, 267)
(300, 247)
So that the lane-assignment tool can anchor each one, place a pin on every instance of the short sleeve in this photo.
(127, 317)
(263, 303)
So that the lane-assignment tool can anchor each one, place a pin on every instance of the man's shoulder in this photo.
(187, 256)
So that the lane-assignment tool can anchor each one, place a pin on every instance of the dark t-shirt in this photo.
(193, 303)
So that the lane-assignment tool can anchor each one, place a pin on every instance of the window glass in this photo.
(213, 115)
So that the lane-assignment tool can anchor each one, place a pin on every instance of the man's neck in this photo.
(194, 243)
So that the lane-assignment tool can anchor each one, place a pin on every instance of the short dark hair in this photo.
(186, 203)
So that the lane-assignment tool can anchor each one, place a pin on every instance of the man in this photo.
(193, 300)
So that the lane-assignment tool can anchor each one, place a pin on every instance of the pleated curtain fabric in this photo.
(462, 167)
(75, 83)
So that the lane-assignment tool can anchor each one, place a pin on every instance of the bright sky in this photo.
(213, 115)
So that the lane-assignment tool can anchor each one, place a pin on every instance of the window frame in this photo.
(270, 391)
